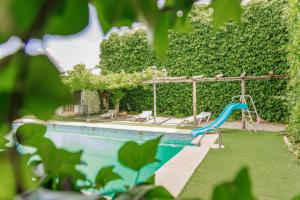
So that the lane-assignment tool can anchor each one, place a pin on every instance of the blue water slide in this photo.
(220, 120)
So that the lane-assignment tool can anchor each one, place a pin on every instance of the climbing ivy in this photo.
(256, 46)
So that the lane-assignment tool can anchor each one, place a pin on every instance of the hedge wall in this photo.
(257, 46)
(294, 62)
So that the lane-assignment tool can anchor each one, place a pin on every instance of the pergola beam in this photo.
(215, 79)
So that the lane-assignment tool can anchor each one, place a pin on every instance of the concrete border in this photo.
(174, 174)
(290, 146)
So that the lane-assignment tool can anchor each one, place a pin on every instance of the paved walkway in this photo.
(176, 172)
(237, 125)
(159, 120)
(259, 127)
(169, 123)
(263, 126)
(123, 127)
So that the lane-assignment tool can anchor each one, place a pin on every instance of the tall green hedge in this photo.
(257, 46)
(294, 62)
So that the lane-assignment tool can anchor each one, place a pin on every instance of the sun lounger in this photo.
(145, 115)
(109, 114)
(202, 116)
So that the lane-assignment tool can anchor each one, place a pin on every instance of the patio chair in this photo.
(109, 114)
(145, 115)
(199, 118)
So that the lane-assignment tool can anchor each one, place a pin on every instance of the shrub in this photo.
(294, 62)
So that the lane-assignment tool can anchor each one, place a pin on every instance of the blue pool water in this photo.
(101, 147)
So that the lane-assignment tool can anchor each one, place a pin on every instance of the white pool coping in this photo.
(122, 127)
(175, 174)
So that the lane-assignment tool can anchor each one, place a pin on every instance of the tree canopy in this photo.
(82, 78)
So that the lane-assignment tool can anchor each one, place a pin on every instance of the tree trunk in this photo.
(104, 101)
(117, 106)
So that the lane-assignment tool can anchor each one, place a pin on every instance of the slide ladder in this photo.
(251, 115)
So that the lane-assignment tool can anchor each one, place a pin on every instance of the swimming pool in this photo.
(100, 147)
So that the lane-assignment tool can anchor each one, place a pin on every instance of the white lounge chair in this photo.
(109, 114)
(145, 115)
(202, 116)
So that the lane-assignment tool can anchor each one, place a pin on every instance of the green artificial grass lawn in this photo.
(274, 173)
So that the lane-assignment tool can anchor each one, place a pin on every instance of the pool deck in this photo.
(176, 172)
(169, 125)
(123, 127)
(109, 126)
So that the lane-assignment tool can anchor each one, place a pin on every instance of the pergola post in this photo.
(154, 93)
(195, 101)
(154, 101)
(243, 88)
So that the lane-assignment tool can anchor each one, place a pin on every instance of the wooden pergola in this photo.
(218, 78)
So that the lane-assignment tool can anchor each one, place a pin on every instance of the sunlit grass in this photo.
(274, 171)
